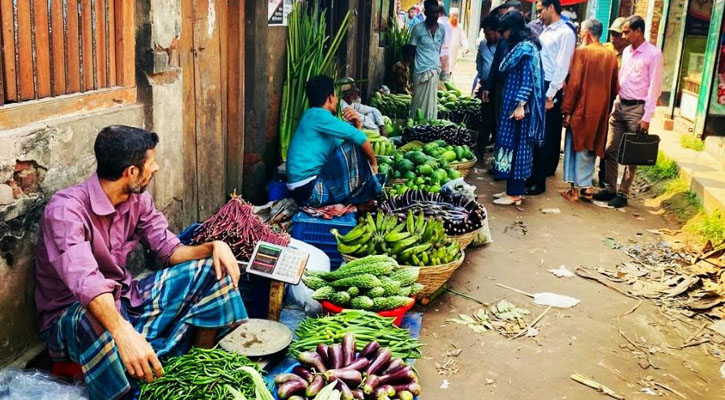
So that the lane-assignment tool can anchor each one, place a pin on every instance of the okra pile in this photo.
(204, 374)
(372, 374)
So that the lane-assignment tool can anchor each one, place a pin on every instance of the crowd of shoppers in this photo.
(596, 93)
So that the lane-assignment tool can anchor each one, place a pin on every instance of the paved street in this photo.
(591, 338)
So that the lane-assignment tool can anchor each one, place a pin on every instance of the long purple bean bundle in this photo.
(237, 225)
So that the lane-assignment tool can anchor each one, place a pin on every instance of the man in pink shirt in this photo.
(90, 309)
(640, 84)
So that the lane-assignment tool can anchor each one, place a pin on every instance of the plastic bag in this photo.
(17, 384)
(300, 296)
(459, 187)
(484, 233)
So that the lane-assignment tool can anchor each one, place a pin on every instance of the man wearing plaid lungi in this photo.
(330, 160)
(90, 309)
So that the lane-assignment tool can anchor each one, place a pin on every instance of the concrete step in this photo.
(703, 170)
(715, 146)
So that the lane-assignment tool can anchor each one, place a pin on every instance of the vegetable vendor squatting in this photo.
(331, 161)
(90, 309)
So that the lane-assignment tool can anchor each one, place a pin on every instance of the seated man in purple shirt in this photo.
(90, 309)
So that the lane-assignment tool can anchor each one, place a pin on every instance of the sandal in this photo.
(571, 195)
(586, 195)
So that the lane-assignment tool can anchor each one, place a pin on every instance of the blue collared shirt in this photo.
(484, 59)
(427, 47)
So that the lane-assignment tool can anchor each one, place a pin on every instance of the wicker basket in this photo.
(464, 167)
(397, 181)
(431, 277)
(466, 239)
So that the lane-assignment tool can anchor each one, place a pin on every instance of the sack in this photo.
(638, 149)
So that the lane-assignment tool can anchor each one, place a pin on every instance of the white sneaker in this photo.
(499, 195)
(507, 201)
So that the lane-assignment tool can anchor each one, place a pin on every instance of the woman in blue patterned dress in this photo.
(521, 124)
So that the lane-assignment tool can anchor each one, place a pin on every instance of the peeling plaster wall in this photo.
(35, 162)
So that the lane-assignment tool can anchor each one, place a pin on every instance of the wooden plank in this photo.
(125, 43)
(20, 114)
(8, 50)
(87, 53)
(111, 32)
(186, 61)
(100, 43)
(41, 47)
(235, 97)
(223, 24)
(25, 51)
(276, 294)
(73, 52)
(57, 56)
(207, 79)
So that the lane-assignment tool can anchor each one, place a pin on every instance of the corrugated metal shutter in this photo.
(604, 10)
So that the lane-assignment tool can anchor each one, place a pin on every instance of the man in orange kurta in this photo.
(587, 103)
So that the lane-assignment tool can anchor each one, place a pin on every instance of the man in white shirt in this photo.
(446, 49)
(371, 117)
(557, 48)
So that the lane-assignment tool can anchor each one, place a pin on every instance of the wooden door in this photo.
(212, 59)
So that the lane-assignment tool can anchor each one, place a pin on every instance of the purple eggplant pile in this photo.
(451, 134)
(459, 215)
(372, 374)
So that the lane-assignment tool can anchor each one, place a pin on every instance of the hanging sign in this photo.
(277, 12)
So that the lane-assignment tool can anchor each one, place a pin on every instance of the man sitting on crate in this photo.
(90, 310)
(330, 161)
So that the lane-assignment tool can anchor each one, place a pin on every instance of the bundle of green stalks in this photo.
(309, 52)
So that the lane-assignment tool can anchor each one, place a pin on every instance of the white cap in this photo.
(455, 10)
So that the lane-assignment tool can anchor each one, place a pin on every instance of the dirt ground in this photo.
(585, 339)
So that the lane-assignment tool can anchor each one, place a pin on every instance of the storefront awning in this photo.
(563, 2)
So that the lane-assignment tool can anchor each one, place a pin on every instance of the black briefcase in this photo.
(638, 149)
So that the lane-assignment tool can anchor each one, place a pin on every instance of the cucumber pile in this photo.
(455, 107)
(374, 283)
(416, 241)
(392, 105)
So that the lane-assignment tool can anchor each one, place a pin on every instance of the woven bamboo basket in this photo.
(397, 181)
(431, 277)
(466, 239)
(464, 167)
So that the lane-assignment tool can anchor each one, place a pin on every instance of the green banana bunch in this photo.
(414, 240)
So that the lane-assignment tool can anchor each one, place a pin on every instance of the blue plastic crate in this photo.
(253, 288)
(278, 190)
(316, 231)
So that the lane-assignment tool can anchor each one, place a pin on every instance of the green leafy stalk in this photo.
(309, 52)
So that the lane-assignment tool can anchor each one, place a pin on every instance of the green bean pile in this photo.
(367, 327)
(201, 374)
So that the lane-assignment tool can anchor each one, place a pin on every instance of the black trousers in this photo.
(546, 158)
(487, 132)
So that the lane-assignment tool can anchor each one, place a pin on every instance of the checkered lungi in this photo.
(175, 300)
(346, 178)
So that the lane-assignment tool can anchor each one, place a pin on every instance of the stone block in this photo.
(6, 194)
(160, 62)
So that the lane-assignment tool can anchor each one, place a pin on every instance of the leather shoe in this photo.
(535, 189)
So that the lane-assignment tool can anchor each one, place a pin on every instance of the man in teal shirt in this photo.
(428, 38)
(329, 160)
